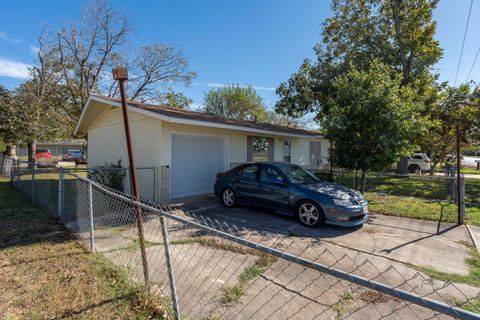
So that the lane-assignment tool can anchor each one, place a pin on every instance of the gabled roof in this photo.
(96, 104)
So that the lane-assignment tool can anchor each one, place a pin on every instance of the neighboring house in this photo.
(189, 148)
(56, 147)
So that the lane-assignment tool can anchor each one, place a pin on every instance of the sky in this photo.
(256, 42)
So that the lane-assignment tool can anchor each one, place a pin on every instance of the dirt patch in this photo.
(376, 297)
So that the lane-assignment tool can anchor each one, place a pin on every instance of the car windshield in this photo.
(299, 175)
(74, 152)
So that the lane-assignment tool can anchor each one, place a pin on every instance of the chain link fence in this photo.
(423, 197)
(199, 268)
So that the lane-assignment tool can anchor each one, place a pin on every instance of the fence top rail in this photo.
(350, 277)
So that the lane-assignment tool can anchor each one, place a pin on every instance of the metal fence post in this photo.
(462, 201)
(60, 193)
(90, 209)
(171, 277)
(33, 182)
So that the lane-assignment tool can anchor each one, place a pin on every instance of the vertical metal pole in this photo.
(90, 209)
(60, 193)
(462, 201)
(33, 182)
(459, 177)
(171, 277)
(121, 75)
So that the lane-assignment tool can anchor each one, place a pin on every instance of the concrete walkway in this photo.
(441, 246)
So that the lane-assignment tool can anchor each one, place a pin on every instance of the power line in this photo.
(463, 43)
(473, 64)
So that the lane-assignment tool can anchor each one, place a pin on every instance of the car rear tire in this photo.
(310, 214)
(228, 197)
(413, 168)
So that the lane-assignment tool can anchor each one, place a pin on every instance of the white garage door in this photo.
(195, 162)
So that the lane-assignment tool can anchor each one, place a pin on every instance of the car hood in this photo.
(334, 190)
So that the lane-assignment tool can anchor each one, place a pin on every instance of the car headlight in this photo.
(342, 202)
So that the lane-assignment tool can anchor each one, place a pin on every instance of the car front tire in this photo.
(228, 197)
(310, 214)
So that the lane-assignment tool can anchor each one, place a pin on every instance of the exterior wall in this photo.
(237, 144)
(152, 143)
(106, 144)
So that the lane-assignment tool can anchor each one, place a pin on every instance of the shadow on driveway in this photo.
(400, 239)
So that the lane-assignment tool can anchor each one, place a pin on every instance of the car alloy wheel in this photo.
(228, 197)
(310, 214)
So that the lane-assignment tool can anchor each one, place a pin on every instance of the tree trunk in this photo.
(363, 181)
(31, 150)
(433, 167)
(11, 151)
(402, 166)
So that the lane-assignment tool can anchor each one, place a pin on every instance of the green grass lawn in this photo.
(426, 187)
(470, 171)
(46, 274)
(410, 207)
(417, 196)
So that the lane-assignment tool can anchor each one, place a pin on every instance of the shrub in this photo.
(110, 175)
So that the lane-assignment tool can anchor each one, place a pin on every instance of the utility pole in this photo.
(121, 74)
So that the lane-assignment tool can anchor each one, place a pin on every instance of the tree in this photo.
(237, 102)
(156, 66)
(175, 100)
(398, 34)
(86, 50)
(298, 96)
(440, 137)
(8, 135)
(34, 116)
(372, 117)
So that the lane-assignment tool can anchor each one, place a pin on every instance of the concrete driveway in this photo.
(441, 246)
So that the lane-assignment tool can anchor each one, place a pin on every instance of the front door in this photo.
(315, 154)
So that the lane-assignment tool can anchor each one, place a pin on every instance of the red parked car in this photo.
(43, 154)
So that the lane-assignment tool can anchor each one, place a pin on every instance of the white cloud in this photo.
(216, 85)
(14, 69)
(33, 49)
(264, 88)
(5, 36)
(221, 85)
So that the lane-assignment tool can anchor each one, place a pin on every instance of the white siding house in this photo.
(184, 149)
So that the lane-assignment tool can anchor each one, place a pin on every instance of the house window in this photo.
(287, 151)
(260, 148)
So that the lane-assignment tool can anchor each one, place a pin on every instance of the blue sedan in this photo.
(290, 189)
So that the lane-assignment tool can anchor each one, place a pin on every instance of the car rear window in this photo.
(43, 150)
